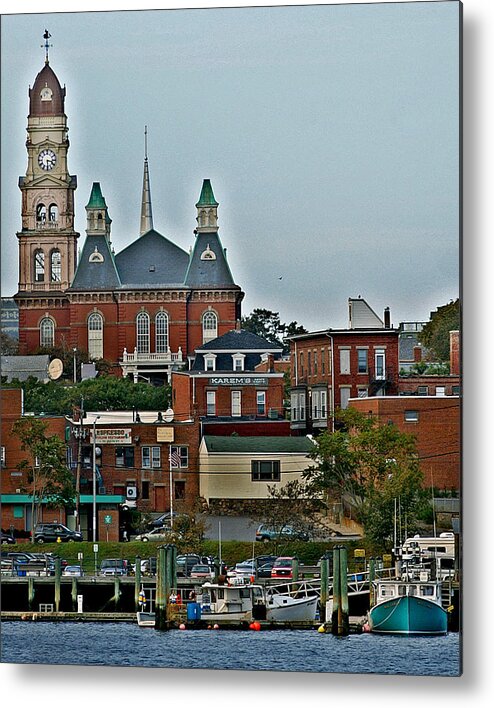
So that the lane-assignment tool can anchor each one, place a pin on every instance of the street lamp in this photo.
(75, 365)
(94, 476)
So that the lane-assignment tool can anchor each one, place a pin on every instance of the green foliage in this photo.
(267, 324)
(435, 334)
(47, 474)
(8, 346)
(370, 465)
(102, 393)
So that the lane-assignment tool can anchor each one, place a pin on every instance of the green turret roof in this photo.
(96, 200)
(207, 196)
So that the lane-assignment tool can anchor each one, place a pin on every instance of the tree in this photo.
(267, 324)
(370, 465)
(49, 479)
(8, 345)
(435, 334)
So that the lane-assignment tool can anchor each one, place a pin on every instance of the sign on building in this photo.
(112, 436)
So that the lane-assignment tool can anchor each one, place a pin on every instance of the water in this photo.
(119, 644)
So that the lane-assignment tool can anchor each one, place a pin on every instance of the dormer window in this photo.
(210, 362)
(238, 361)
(46, 94)
(96, 256)
(208, 254)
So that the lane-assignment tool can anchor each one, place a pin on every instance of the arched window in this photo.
(40, 214)
(39, 266)
(53, 213)
(95, 336)
(47, 332)
(209, 326)
(56, 266)
(142, 331)
(161, 326)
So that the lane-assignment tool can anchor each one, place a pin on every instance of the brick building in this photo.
(15, 501)
(139, 457)
(435, 422)
(233, 382)
(331, 366)
(145, 308)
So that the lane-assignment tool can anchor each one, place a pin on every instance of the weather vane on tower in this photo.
(46, 45)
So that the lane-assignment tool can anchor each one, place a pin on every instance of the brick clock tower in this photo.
(47, 241)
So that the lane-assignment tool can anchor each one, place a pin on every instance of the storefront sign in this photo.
(239, 380)
(112, 436)
(165, 434)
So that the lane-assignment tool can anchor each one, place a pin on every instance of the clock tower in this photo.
(47, 241)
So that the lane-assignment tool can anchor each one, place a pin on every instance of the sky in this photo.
(330, 134)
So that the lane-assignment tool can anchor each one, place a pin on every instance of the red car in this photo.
(282, 567)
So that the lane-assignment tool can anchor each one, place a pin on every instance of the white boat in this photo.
(291, 602)
(146, 619)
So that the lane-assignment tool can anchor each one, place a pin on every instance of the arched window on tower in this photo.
(209, 326)
(39, 266)
(40, 215)
(95, 336)
(161, 328)
(56, 266)
(47, 332)
(142, 333)
(53, 214)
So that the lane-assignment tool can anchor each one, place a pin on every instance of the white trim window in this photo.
(56, 266)
(39, 266)
(236, 397)
(95, 336)
(210, 362)
(260, 402)
(411, 416)
(238, 362)
(47, 332)
(142, 333)
(209, 326)
(265, 470)
(324, 403)
(344, 396)
(161, 332)
(362, 361)
(211, 403)
(179, 452)
(3, 457)
(380, 362)
(151, 456)
(315, 405)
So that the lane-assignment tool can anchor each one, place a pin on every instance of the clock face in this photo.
(47, 159)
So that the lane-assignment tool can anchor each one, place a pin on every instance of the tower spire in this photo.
(146, 209)
(46, 45)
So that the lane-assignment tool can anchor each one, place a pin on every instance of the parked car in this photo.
(186, 562)
(6, 538)
(158, 534)
(202, 571)
(264, 571)
(48, 533)
(282, 567)
(114, 566)
(243, 570)
(73, 570)
(164, 519)
(266, 533)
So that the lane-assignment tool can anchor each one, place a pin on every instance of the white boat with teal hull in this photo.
(411, 604)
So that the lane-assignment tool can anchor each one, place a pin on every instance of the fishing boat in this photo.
(411, 603)
(146, 619)
(291, 602)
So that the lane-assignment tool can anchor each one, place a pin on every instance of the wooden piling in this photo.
(73, 594)
(336, 591)
(161, 597)
(324, 588)
(58, 575)
(137, 584)
(30, 592)
(372, 577)
(295, 569)
(117, 592)
(343, 623)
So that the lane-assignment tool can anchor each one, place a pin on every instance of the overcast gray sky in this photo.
(330, 134)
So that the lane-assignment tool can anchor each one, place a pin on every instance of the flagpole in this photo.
(171, 488)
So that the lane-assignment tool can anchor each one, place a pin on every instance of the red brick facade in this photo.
(435, 422)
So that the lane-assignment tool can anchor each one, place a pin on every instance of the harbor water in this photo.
(120, 644)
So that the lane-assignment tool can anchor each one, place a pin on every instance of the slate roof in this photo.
(239, 340)
(208, 273)
(22, 367)
(152, 260)
(95, 275)
(257, 444)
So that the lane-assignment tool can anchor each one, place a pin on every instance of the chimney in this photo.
(417, 353)
(387, 318)
(238, 326)
(454, 352)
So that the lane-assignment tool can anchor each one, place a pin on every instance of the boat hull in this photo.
(288, 609)
(146, 619)
(408, 615)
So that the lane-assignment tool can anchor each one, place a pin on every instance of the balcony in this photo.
(138, 363)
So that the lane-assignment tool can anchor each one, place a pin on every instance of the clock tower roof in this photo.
(47, 97)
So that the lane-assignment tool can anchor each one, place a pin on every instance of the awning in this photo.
(84, 499)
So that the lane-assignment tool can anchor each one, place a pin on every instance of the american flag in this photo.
(174, 458)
